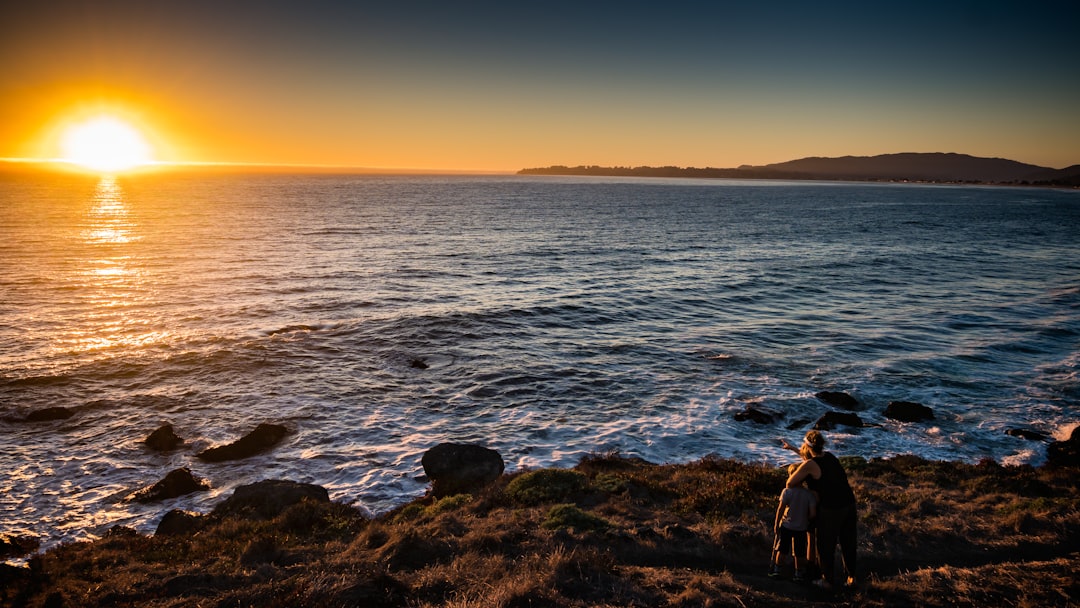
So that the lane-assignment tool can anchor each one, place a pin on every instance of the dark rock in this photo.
(1026, 434)
(16, 546)
(120, 531)
(264, 437)
(833, 419)
(456, 468)
(418, 364)
(838, 399)
(163, 439)
(754, 414)
(906, 411)
(177, 483)
(47, 415)
(798, 424)
(269, 498)
(1064, 453)
(178, 522)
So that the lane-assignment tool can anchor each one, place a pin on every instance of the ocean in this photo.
(545, 317)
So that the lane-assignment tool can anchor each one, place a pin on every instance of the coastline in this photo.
(610, 531)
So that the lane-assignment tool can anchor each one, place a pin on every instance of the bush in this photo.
(570, 516)
(545, 485)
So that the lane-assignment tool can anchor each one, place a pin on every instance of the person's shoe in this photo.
(774, 572)
(822, 584)
(799, 577)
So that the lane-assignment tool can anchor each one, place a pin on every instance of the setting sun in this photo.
(105, 144)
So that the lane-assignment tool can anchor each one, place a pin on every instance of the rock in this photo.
(1064, 453)
(456, 468)
(418, 363)
(264, 437)
(269, 498)
(799, 423)
(178, 522)
(163, 439)
(753, 414)
(906, 411)
(177, 483)
(833, 419)
(1026, 434)
(47, 414)
(841, 400)
(17, 546)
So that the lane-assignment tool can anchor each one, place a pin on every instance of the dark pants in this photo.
(836, 526)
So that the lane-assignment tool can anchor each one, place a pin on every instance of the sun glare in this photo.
(105, 144)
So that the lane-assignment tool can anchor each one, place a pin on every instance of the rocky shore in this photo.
(612, 531)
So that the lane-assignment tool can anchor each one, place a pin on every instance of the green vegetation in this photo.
(612, 531)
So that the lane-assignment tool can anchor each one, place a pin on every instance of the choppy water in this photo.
(558, 316)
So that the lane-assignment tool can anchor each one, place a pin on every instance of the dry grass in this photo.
(612, 532)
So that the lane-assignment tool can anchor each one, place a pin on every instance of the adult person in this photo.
(836, 519)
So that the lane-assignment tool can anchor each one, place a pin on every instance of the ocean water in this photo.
(556, 317)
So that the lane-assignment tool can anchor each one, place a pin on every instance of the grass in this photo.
(613, 531)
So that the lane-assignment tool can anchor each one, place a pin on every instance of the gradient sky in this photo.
(504, 85)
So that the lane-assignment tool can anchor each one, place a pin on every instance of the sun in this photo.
(105, 144)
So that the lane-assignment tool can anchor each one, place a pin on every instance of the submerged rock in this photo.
(47, 414)
(838, 399)
(759, 416)
(177, 483)
(269, 498)
(457, 468)
(163, 439)
(264, 437)
(1026, 434)
(907, 411)
(832, 420)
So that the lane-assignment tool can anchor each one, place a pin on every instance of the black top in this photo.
(832, 487)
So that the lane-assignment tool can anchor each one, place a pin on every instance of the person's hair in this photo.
(791, 468)
(816, 442)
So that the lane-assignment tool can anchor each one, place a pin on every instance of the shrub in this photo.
(570, 516)
(545, 485)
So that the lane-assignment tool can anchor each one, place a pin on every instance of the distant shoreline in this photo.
(908, 167)
(753, 174)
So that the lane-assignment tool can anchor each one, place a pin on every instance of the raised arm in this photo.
(808, 468)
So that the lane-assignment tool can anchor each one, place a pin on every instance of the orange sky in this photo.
(427, 86)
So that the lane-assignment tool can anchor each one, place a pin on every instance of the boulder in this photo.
(457, 468)
(759, 416)
(177, 483)
(163, 439)
(268, 498)
(838, 399)
(1064, 453)
(178, 522)
(1026, 434)
(17, 546)
(264, 437)
(799, 423)
(832, 420)
(906, 411)
(418, 363)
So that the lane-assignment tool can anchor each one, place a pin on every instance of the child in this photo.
(797, 507)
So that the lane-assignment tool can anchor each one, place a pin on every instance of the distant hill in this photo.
(919, 167)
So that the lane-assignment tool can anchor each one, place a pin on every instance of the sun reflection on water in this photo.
(109, 221)
(112, 281)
